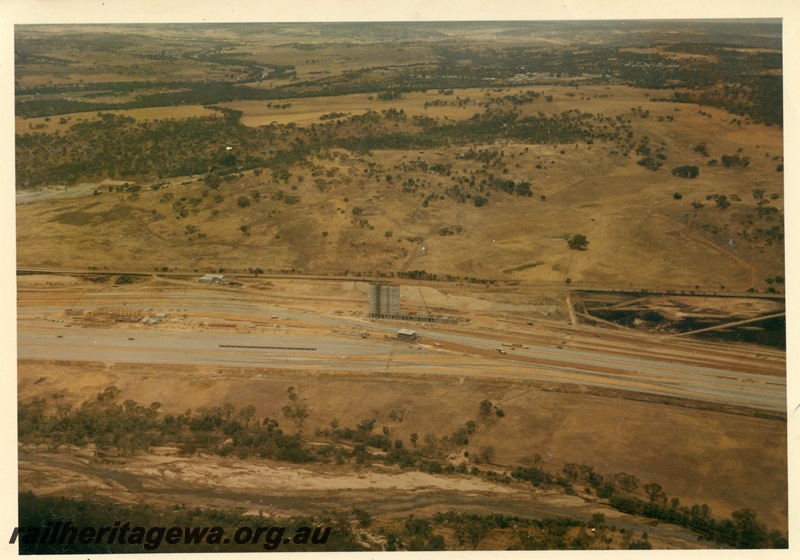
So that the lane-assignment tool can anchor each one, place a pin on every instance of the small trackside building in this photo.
(406, 334)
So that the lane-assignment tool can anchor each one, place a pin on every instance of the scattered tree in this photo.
(578, 242)
(655, 492)
(485, 409)
(486, 454)
(627, 482)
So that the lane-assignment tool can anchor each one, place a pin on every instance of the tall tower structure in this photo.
(384, 300)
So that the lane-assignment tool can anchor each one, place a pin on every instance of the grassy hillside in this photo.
(464, 150)
(338, 195)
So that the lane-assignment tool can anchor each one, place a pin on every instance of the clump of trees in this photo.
(649, 163)
(578, 242)
(734, 161)
(295, 412)
(686, 171)
(701, 149)
(389, 95)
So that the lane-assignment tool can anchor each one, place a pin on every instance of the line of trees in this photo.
(127, 427)
(743, 531)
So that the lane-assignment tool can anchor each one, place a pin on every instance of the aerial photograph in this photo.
(400, 286)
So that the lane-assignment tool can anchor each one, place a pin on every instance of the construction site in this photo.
(384, 303)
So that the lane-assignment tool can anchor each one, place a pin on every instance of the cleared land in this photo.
(210, 329)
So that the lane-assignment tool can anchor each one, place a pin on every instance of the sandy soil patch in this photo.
(37, 280)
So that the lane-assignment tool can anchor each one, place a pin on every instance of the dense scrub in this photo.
(122, 147)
